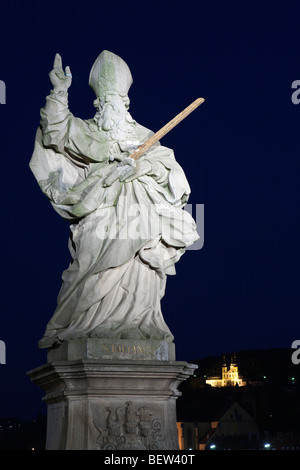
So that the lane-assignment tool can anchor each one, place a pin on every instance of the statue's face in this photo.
(112, 111)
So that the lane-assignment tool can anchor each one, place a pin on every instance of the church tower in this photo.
(224, 370)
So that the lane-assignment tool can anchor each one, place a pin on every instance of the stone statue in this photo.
(127, 223)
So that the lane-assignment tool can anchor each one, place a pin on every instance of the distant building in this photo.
(230, 376)
(234, 427)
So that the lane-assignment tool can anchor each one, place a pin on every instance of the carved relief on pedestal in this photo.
(128, 428)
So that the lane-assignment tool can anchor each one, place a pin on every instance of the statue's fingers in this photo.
(68, 72)
(142, 169)
(111, 178)
(126, 173)
(57, 61)
(132, 177)
(127, 161)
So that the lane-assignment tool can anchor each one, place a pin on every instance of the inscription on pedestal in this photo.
(130, 349)
(96, 348)
(129, 428)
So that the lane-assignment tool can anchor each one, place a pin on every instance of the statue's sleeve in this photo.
(166, 175)
(53, 166)
(55, 117)
(68, 135)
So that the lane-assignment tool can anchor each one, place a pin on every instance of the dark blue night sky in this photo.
(240, 151)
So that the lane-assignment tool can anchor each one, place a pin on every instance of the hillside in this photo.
(271, 396)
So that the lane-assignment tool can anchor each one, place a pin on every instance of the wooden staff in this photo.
(164, 130)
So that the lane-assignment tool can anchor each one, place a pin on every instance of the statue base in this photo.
(107, 395)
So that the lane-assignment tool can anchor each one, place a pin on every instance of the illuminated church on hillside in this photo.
(230, 376)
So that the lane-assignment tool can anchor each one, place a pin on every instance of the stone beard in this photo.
(113, 117)
(114, 284)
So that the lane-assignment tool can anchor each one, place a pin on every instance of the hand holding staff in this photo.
(127, 167)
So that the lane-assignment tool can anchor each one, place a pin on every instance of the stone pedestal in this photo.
(111, 395)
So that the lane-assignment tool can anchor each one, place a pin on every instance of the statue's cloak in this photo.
(124, 238)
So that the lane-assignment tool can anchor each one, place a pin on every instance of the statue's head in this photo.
(110, 75)
(110, 78)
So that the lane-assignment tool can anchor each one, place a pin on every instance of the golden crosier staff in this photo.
(167, 128)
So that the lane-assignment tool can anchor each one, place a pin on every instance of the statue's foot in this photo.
(47, 343)
(130, 333)
(133, 333)
(102, 333)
